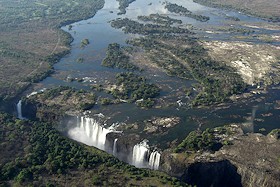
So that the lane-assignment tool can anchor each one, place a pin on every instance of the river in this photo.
(256, 113)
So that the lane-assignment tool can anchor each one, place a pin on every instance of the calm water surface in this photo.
(100, 34)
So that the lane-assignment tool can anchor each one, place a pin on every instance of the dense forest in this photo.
(37, 154)
(115, 57)
(135, 88)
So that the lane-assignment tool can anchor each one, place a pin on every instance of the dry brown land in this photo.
(255, 63)
(30, 35)
(27, 50)
(262, 8)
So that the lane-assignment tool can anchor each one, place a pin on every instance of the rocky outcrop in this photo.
(251, 160)
(29, 108)
(53, 104)
(220, 173)
(124, 146)
(160, 124)
(257, 159)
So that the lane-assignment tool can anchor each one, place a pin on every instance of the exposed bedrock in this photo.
(221, 173)
(253, 160)
(123, 146)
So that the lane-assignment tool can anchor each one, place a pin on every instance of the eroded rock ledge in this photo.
(250, 160)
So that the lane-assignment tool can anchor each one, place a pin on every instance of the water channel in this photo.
(258, 112)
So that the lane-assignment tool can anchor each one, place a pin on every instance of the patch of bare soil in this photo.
(255, 63)
(142, 60)
(23, 55)
(267, 8)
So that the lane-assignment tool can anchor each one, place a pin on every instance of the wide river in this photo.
(254, 114)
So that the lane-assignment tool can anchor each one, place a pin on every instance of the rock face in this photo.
(160, 124)
(29, 109)
(252, 160)
(221, 173)
(124, 146)
(256, 158)
(52, 104)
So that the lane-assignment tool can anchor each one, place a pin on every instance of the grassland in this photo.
(268, 9)
(31, 40)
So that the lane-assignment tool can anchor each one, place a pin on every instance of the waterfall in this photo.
(90, 132)
(19, 110)
(95, 132)
(115, 147)
(142, 157)
(154, 160)
(139, 154)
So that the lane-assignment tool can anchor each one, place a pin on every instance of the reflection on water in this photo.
(100, 34)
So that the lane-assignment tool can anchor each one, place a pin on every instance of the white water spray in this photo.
(19, 110)
(154, 160)
(115, 147)
(139, 155)
(90, 132)
(249, 125)
(143, 158)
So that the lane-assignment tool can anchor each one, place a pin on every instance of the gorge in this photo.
(150, 83)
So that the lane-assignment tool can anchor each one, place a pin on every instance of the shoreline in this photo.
(247, 12)
(51, 59)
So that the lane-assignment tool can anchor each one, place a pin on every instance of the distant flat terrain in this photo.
(263, 8)
(31, 40)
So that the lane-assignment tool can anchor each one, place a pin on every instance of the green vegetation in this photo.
(53, 103)
(233, 18)
(63, 11)
(97, 87)
(133, 88)
(208, 140)
(80, 60)
(161, 57)
(84, 42)
(147, 103)
(159, 19)
(197, 141)
(134, 27)
(182, 56)
(105, 101)
(136, 86)
(236, 30)
(31, 40)
(184, 11)
(123, 5)
(218, 81)
(275, 133)
(36, 154)
(115, 57)
(265, 9)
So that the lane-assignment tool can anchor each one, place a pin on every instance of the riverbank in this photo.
(32, 43)
(268, 10)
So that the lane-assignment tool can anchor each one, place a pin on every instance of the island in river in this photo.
(151, 75)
